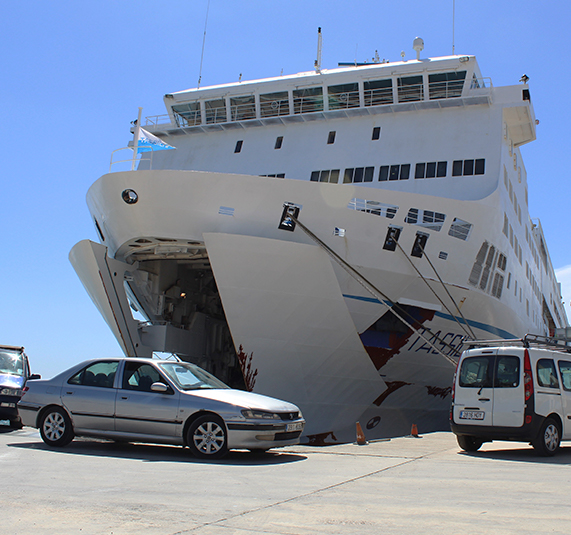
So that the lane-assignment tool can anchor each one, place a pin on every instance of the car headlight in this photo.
(249, 413)
(10, 392)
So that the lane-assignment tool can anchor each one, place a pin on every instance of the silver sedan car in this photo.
(157, 401)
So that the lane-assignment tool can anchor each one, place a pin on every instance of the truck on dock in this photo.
(14, 372)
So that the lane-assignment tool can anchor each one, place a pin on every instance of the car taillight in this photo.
(527, 377)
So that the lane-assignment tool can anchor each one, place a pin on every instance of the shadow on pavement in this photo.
(160, 453)
(522, 455)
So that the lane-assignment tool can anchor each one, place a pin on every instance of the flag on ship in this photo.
(148, 142)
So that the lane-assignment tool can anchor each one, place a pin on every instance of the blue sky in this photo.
(74, 74)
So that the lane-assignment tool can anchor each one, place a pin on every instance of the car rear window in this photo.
(507, 372)
(476, 372)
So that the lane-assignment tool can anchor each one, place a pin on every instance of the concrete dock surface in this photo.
(403, 486)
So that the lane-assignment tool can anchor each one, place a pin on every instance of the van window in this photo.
(476, 372)
(565, 369)
(546, 374)
(507, 372)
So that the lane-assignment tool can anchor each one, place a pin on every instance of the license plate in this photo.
(5, 404)
(472, 415)
(298, 426)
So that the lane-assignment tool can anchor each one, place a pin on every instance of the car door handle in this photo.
(483, 399)
(69, 393)
(124, 397)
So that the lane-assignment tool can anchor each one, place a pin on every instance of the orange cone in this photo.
(414, 430)
(361, 441)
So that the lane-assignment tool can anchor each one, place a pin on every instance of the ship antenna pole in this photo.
(203, 41)
(317, 64)
(453, 20)
(136, 138)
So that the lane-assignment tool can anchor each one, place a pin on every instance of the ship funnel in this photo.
(418, 46)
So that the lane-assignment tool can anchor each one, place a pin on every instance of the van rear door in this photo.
(509, 396)
(473, 396)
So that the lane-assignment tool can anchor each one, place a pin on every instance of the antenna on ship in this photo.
(203, 41)
(317, 63)
(453, 19)
(418, 46)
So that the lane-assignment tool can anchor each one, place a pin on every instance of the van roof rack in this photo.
(529, 340)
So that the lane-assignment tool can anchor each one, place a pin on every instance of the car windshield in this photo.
(11, 362)
(190, 377)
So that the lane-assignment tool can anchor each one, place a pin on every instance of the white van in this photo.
(513, 390)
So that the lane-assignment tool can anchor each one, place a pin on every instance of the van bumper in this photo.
(525, 433)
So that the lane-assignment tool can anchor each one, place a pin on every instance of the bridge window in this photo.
(308, 100)
(378, 92)
(410, 88)
(274, 104)
(446, 84)
(215, 111)
(243, 108)
(343, 96)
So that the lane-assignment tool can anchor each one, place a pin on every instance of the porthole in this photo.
(130, 196)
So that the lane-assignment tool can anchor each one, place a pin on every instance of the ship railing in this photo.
(347, 99)
(155, 120)
(130, 164)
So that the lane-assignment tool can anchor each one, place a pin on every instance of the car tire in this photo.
(207, 437)
(548, 438)
(469, 443)
(55, 427)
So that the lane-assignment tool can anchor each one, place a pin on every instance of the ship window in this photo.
(478, 264)
(243, 108)
(331, 138)
(358, 174)
(373, 207)
(446, 84)
(410, 88)
(460, 229)
(343, 96)
(308, 100)
(238, 147)
(274, 104)
(425, 218)
(468, 167)
(430, 170)
(279, 141)
(394, 172)
(376, 133)
(215, 111)
(419, 244)
(187, 114)
(378, 92)
(325, 176)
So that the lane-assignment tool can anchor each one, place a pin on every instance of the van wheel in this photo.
(548, 438)
(469, 443)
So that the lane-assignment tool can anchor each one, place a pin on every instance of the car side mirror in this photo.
(160, 387)
(34, 376)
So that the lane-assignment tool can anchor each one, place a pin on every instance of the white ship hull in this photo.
(295, 317)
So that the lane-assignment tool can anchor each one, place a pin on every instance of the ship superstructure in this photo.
(329, 237)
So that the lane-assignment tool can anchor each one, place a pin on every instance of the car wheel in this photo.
(548, 438)
(469, 443)
(207, 437)
(55, 427)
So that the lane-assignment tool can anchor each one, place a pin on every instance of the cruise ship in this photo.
(332, 238)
